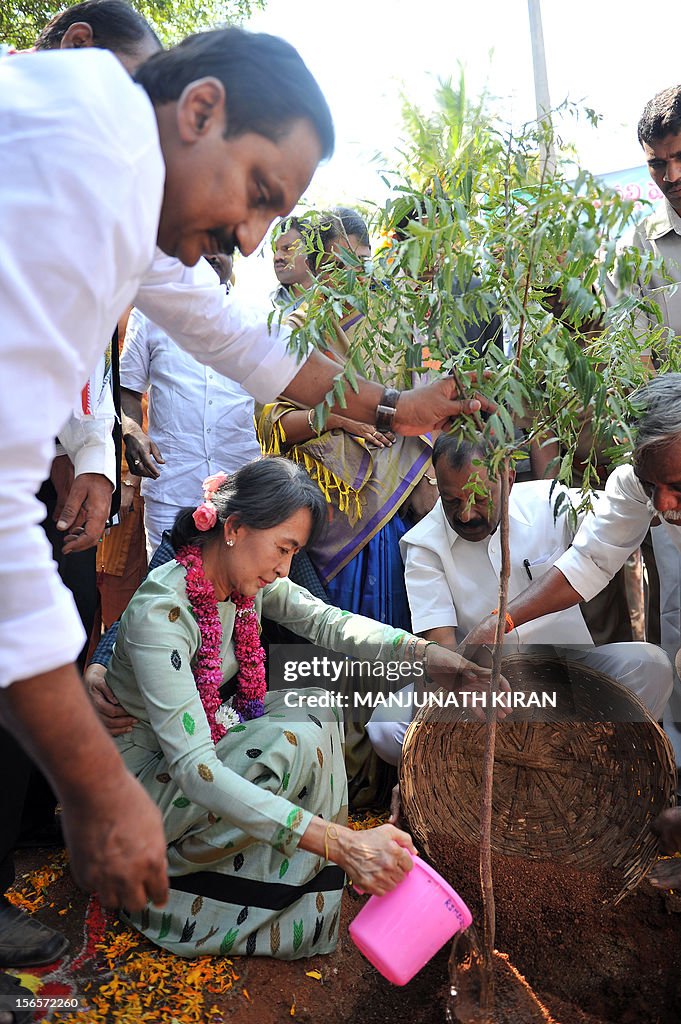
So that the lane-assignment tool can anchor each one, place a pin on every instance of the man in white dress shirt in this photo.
(96, 170)
(452, 565)
(199, 423)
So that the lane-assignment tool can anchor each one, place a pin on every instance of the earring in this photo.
(229, 543)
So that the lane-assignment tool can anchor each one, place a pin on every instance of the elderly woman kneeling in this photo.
(253, 791)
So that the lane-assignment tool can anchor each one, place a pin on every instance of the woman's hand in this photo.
(375, 859)
(452, 672)
(372, 436)
(111, 714)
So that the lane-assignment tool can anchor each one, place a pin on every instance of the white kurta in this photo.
(455, 582)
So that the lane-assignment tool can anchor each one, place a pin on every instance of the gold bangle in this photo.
(331, 833)
(310, 422)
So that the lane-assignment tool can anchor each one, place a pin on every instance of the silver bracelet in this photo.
(411, 654)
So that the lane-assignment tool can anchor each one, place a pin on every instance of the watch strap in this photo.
(387, 407)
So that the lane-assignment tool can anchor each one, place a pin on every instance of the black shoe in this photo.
(46, 836)
(25, 942)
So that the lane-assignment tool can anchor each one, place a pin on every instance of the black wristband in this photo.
(387, 407)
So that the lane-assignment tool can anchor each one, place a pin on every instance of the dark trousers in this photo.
(15, 772)
(26, 799)
(78, 571)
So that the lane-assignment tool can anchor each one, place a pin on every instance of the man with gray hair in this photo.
(452, 563)
(643, 493)
(658, 238)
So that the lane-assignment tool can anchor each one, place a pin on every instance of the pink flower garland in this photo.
(208, 665)
(251, 683)
(249, 701)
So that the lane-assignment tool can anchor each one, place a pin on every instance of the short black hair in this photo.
(115, 26)
(261, 494)
(661, 116)
(267, 85)
(457, 452)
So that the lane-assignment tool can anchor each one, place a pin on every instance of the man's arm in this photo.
(113, 829)
(551, 593)
(601, 546)
(88, 441)
(430, 598)
(418, 411)
(54, 327)
(189, 304)
(443, 635)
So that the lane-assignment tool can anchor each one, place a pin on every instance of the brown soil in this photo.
(586, 963)
(618, 965)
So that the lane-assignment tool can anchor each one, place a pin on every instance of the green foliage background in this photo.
(22, 20)
(539, 245)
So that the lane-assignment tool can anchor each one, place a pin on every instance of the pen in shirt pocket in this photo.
(526, 563)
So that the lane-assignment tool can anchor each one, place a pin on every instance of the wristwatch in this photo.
(387, 407)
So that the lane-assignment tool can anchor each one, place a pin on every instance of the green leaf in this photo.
(166, 922)
(297, 934)
(285, 780)
(228, 941)
(181, 801)
(283, 868)
(294, 817)
(188, 723)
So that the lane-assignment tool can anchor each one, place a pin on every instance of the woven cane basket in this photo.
(567, 788)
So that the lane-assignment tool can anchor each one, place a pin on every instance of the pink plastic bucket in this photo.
(399, 932)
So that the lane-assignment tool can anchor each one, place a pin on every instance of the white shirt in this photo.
(455, 582)
(604, 541)
(81, 189)
(214, 326)
(201, 421)
(87, 437)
